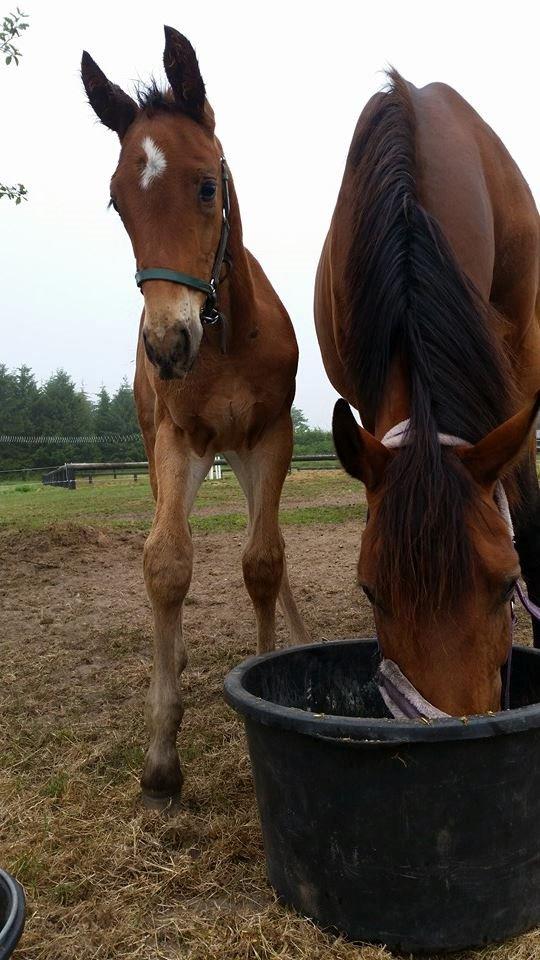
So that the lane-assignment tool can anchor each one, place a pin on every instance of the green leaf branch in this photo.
(17, 192)
(12, 26)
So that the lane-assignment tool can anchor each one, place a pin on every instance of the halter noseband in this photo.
(209, 311)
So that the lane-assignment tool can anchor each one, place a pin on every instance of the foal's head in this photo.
(439, 570)
(167, 189)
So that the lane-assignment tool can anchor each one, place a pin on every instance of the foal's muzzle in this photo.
(173, 354)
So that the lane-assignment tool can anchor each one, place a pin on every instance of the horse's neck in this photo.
(396, 402)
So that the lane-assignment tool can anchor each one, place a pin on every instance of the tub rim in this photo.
(12, 928)
(369, 731)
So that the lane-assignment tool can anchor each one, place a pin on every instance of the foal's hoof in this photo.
(161, 802)
(161, 784)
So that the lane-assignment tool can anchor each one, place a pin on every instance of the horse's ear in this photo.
(491, 457)
(114, 107)
(361, 454)
(183, 73)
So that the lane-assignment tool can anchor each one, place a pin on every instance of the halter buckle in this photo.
(210, 315)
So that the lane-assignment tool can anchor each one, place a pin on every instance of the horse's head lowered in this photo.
(439, 569)
(170, 189)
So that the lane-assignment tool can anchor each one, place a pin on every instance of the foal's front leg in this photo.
(168, 561)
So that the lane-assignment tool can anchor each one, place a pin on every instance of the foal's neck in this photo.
(237, 294)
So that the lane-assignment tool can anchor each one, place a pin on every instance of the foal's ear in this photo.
(361, 454)
(183, 73)
(114, 107)
(489, 459)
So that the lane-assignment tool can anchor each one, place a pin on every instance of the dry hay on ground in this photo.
(104, 878)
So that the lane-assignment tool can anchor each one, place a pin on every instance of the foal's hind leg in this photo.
(297, 628)
(526, 519)
(168, 559)
(261, 473)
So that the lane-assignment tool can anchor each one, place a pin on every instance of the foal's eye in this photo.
(207, 191)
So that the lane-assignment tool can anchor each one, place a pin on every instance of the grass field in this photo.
(105, 879)
(127, 504)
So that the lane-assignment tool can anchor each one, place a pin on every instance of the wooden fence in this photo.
(67, 474)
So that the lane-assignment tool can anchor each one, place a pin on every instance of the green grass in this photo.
(300, 516)
(56, 786)
(126, 504)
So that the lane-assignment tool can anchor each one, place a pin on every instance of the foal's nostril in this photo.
(182, 349)
(150, 352)
(185, 342)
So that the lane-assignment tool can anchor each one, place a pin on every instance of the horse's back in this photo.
(469, 183)
(475, 190)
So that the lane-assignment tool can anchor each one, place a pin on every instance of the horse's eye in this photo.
(509, 590)
(208, 190)
(113, 204)
(369, 595)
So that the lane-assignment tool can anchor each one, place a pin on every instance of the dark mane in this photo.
(409, 297)
(153, 99)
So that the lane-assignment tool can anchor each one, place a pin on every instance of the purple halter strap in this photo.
(530, 607)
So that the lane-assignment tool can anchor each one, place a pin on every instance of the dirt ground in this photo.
(104, 878)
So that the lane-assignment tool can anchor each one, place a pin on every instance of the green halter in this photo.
(162, 273)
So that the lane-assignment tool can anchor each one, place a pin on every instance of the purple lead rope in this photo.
(530, 607)
(534, 610)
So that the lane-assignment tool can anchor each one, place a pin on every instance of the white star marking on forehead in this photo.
(155, 163)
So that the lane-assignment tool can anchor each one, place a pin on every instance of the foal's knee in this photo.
(262, 565)
(167, 566)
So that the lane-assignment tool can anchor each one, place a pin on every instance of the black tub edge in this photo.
(367, 731)
(11, 931)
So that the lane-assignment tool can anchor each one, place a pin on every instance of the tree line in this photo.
(58, 408)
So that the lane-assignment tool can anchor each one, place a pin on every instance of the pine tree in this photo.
(62, 410)
(124, 417)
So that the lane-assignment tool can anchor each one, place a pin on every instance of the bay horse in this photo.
(427, 315)
(215, 371)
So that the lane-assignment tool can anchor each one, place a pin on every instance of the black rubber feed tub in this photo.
(12, 911)
(420, 836)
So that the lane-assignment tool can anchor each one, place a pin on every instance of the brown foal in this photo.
(426, 310)
(226, 387)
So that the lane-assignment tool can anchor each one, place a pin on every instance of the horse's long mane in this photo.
(409, 298)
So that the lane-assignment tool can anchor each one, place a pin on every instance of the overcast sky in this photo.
(287, 81)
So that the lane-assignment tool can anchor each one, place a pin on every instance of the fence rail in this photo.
(16, 473)
(66, 475)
